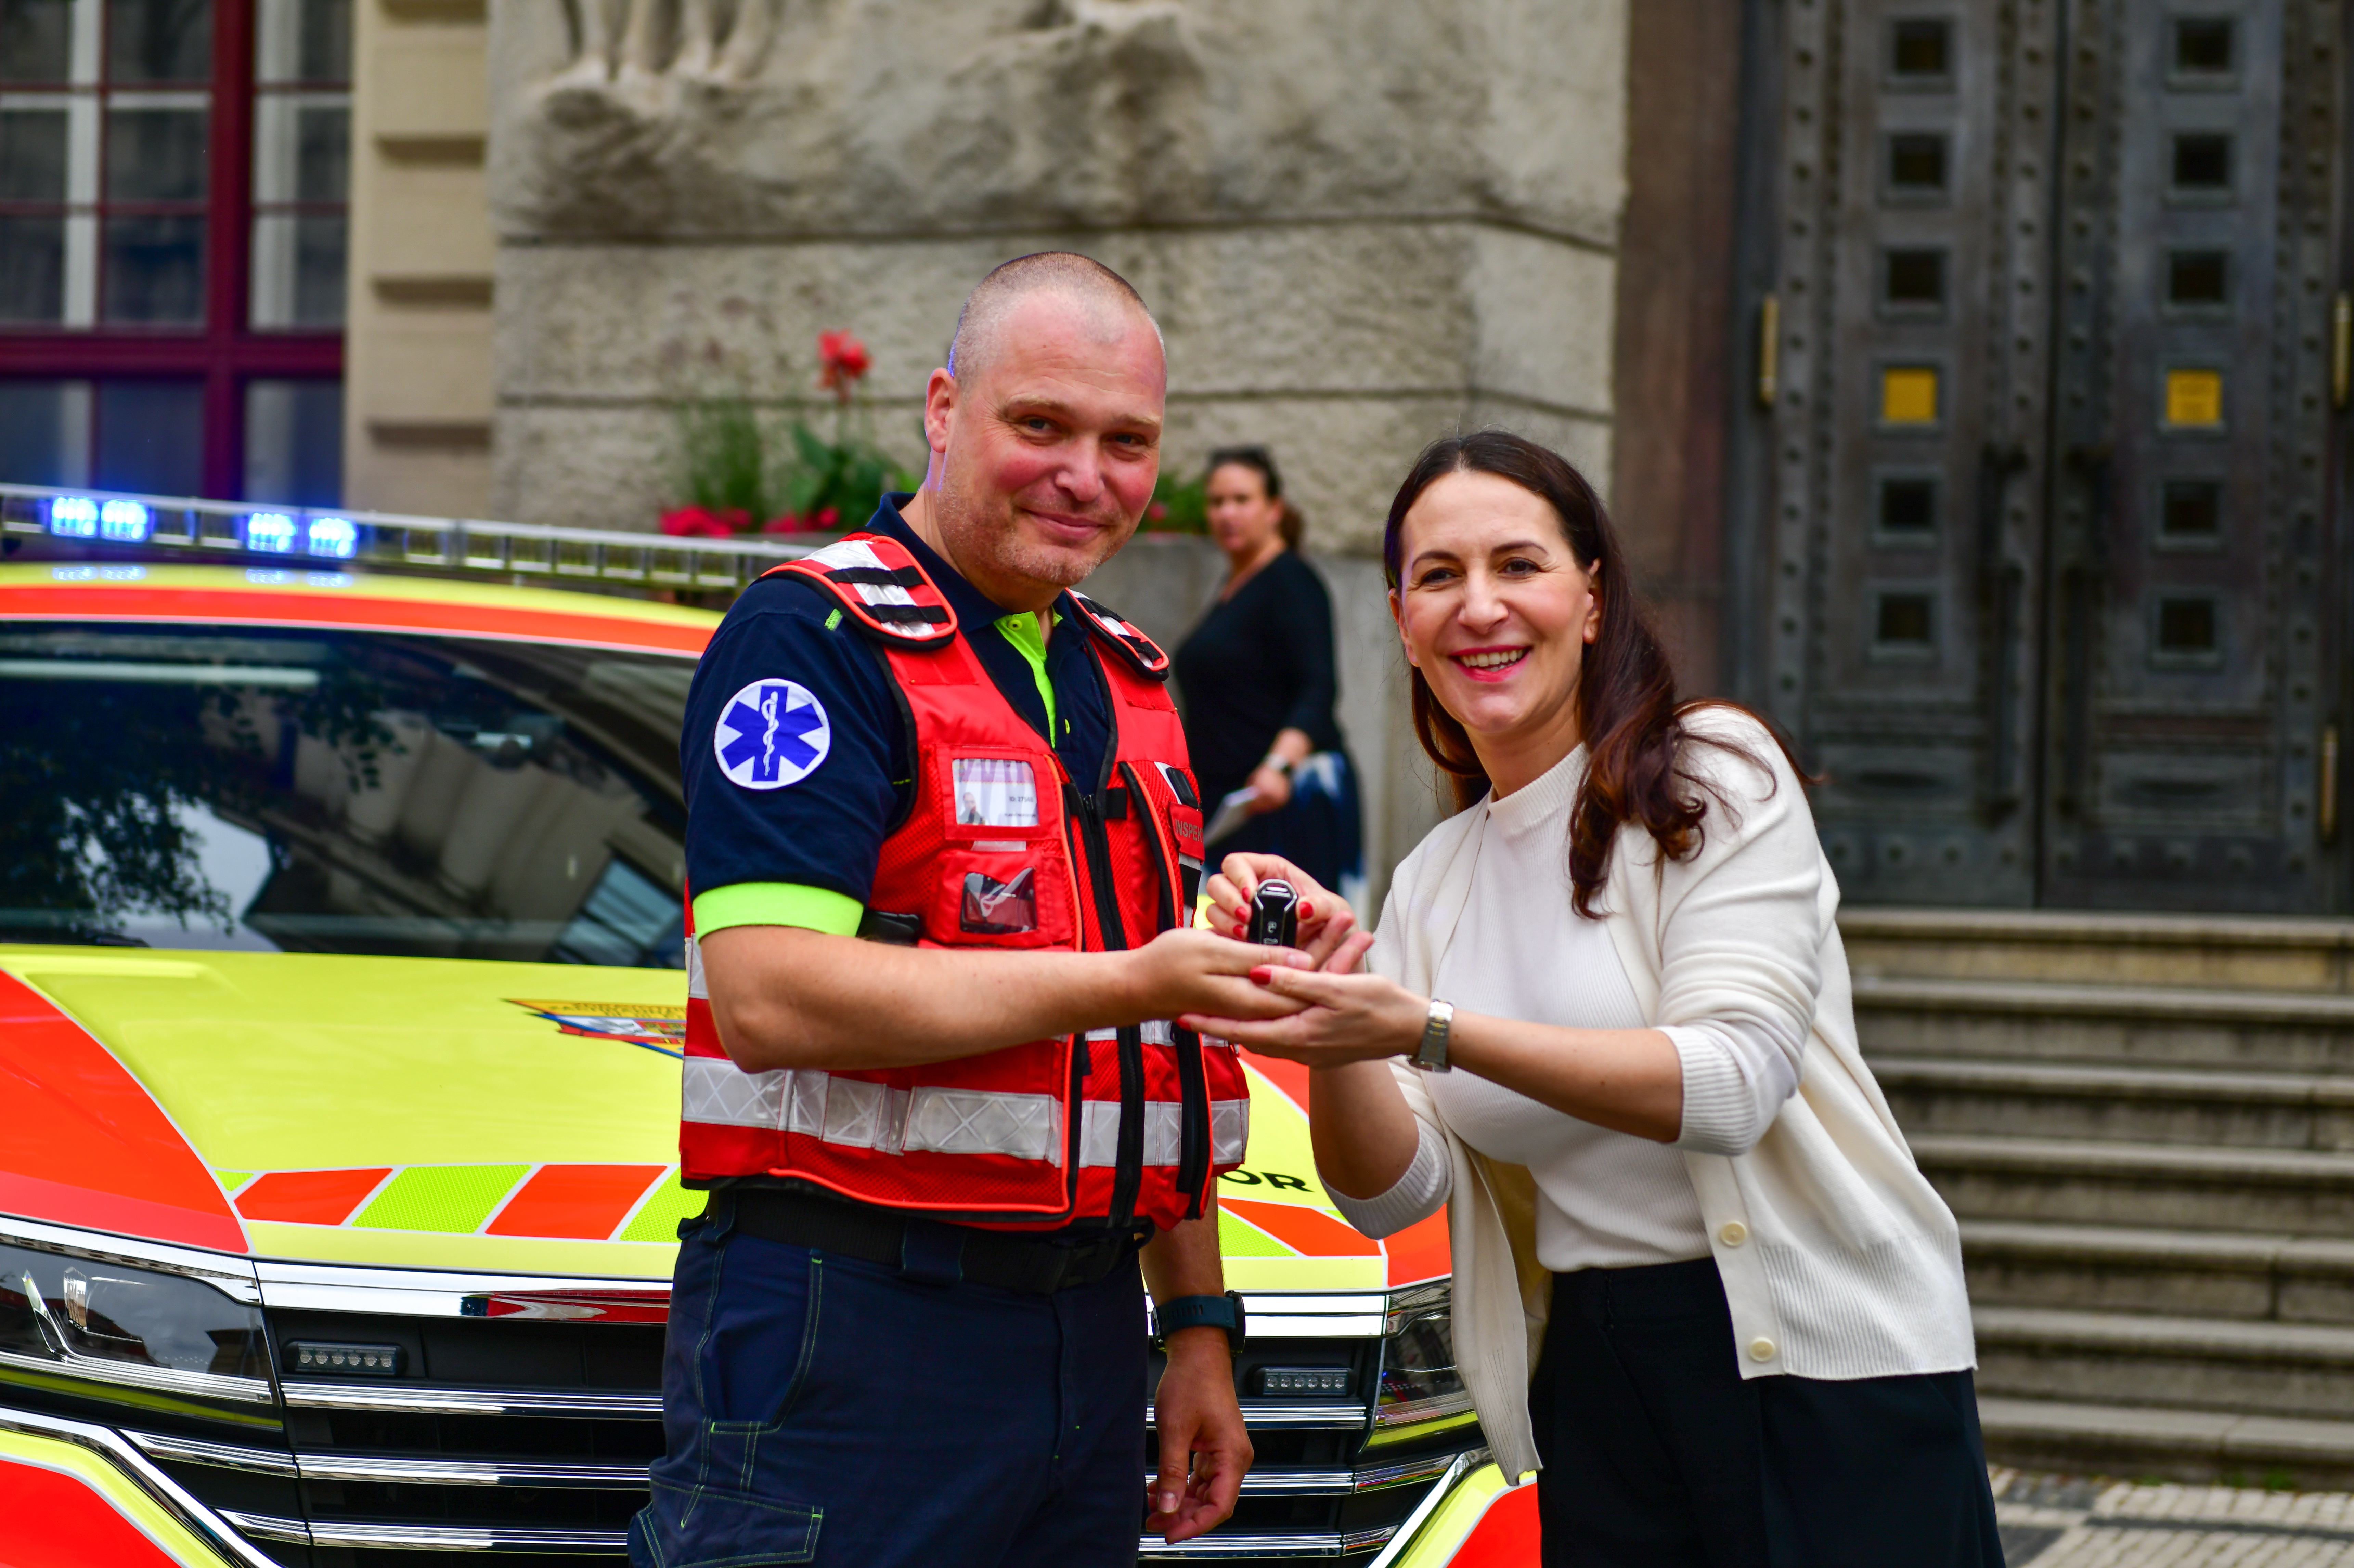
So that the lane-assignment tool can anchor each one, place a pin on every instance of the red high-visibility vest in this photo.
(1000, 848)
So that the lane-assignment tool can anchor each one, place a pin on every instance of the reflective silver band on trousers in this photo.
(857, 1114)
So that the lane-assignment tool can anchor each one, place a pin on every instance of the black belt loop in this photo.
(719, 1214)
(931, 1253)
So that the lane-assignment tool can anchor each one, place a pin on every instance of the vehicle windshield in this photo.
(340, 792)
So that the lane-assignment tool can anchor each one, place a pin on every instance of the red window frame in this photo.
(225, 352)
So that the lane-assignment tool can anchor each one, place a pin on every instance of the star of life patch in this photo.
(772, 734)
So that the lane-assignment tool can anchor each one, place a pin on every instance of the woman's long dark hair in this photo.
(1291, 525)
(1628, 713)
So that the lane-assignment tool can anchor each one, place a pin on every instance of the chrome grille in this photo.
(524, 1435)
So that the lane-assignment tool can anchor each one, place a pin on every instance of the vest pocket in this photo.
(1001, 896)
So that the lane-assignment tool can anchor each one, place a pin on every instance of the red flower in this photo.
(1158, 512)
(784, 522)
(827, 518)
(845, 360)
(700, 522)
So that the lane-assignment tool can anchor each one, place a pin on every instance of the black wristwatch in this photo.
(1201, 1312)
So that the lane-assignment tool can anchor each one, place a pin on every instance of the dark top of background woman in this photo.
(1259, 663)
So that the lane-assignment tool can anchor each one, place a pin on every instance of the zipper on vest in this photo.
(1127, 1170)
(1193, 1078)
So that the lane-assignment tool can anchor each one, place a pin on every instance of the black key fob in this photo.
(1274, 916)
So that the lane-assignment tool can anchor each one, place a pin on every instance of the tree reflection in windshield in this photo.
(414, 795)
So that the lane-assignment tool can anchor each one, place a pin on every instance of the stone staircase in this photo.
(2146, 1125)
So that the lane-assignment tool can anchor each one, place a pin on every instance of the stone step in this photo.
(2147, 1024)
(2231, 953)
(2155, 1186)
(2139, 1440)
(2185, 1274)
(2304, 1370)
(2096, 1100)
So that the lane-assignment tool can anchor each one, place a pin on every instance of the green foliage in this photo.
(755, 473)
(1179, 506)
(836, 484)
(723, 457)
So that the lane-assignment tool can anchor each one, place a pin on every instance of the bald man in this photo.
(942, 849)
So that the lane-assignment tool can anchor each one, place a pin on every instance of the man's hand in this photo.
(1204, 1449)
(1189, 970)
(1342, 1016)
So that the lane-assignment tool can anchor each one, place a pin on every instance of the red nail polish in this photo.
(1306, 910)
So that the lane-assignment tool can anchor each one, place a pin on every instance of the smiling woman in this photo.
(1663, 1147)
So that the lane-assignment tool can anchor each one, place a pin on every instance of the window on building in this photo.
(2190, 514)
(2188, 631)
(2202, 163)
(172, 181)
(1902, 623)
(2204, 46)
(1907, 512)
(2198, 280)
(1920, 50)
(1916, 165)
(1913, 282)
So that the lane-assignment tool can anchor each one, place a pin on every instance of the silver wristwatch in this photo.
(1431, 1056)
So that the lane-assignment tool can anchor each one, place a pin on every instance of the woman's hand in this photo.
(1186, 970)
(1343, 1016)
(1274, 787)
(1325, 919)
(1272, 776)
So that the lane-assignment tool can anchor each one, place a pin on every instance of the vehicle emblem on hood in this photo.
(660, 1029)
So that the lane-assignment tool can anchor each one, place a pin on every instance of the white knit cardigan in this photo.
(1838, 1259)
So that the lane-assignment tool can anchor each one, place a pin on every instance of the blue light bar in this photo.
(73, 517)
(333, 537)
(124, 522)
(270, 533)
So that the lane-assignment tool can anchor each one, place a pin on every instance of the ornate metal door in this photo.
(2049, 357)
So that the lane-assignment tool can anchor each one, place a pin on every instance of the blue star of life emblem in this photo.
(772, 734)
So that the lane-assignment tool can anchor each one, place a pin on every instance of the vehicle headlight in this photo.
(107, 1329)
(1419, 1383)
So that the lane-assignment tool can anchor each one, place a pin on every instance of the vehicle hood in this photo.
(452, 1114)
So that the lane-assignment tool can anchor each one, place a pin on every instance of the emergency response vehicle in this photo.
(342, 1011)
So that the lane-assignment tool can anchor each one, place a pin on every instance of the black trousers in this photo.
(1658, 1454)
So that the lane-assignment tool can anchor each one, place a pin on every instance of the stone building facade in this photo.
(416, 335)
(1361, 223)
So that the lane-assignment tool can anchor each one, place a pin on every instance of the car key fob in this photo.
(1275, 915)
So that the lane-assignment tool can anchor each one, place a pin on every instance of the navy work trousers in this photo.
(823, 1409)
(1659, 1454)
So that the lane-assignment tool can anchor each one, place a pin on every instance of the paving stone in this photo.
(2069, 1521)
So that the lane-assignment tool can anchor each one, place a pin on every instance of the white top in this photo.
(1838, 1259)
(1605, 1199)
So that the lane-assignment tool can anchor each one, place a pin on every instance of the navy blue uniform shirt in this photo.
(804, 852)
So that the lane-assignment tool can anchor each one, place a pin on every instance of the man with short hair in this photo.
(909, 1325)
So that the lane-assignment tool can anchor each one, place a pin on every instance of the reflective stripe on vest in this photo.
(857, 1114)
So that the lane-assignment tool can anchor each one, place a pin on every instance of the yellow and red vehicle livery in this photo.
(508, 1122)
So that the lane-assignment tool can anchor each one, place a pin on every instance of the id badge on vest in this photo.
(1000, 872)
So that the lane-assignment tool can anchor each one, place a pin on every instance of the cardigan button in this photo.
(1734, 1234)
(1761, 1349)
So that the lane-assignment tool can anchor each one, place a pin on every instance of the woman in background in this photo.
(1256, 677)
